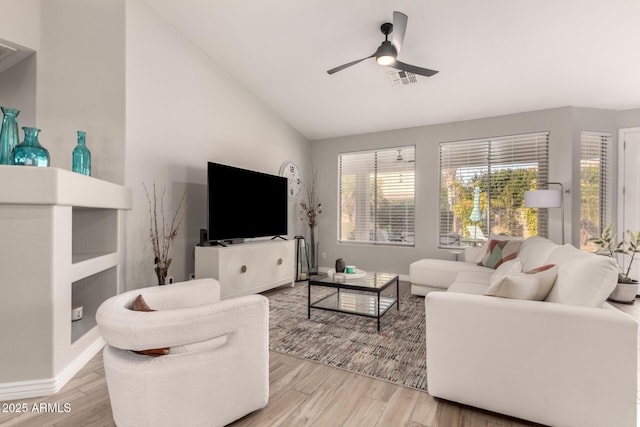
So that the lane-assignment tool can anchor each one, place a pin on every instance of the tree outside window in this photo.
(502, 169)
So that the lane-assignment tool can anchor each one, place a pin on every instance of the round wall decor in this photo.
(293, 174)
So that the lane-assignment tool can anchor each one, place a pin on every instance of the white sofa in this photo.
(570, 360)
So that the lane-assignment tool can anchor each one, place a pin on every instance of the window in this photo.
(376, 196)
(595, 203)
(482, 185)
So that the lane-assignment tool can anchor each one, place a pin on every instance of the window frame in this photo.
(482, 152)
(405, 241)
(588, 141)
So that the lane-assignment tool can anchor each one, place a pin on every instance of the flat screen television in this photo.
(245, 204)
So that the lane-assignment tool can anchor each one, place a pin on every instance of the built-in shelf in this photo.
(84, 265)
(63, 237)
(90, 292)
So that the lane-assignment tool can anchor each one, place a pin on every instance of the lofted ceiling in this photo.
(494, 56)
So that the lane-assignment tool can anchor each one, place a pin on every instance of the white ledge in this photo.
(29, 185)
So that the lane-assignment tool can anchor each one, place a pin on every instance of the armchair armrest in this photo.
(550, 363)
(217, 369)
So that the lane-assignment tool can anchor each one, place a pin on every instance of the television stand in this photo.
(212, 243)
(247, 268)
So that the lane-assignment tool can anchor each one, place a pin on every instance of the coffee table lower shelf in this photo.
(355, 303)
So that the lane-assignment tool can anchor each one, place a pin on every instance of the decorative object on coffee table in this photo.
(311, 208)
(357, 274)
(161, 233)
(627, 288)
(340, 265)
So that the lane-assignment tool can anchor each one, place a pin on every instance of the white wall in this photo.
(80, 83)
(18, 90)
(183, 110)
(20, 22)
(20, 25)
(426, 138)
(628, 118)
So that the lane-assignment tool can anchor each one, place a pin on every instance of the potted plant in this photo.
(627, 288)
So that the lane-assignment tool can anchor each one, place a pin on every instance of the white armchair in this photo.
(217, 369)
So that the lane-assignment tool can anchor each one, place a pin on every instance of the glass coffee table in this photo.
(359, 296)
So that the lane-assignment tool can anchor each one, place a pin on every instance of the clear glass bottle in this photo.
(30, 152)
(9, 137)
(81, 155)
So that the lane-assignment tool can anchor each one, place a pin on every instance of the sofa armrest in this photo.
(554, 364)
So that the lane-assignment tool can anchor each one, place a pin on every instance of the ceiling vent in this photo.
(402, 78)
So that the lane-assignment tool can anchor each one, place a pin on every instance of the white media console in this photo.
(247, 268)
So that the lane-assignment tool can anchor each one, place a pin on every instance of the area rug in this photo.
(397, 353)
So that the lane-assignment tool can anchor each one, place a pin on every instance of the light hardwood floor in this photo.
(302, 393)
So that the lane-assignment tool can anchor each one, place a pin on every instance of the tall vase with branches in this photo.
(311, 208)
(161, 232)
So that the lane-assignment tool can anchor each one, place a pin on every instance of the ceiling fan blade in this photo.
(349, 64)
(399, 29)
(413, 69)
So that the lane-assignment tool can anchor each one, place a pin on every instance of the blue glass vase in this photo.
(8, 134)
(81, 155)
(30, 152)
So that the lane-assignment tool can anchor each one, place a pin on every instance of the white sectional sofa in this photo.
(569, 360)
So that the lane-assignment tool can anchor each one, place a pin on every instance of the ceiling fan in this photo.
(388, 51)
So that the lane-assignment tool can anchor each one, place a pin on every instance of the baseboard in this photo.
(49, 386)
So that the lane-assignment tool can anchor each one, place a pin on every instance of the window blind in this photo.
(376, 196)
(595, 183)
(482, 185)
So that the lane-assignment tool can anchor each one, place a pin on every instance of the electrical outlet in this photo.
(192, 276)
(324, 255)
(169, 279)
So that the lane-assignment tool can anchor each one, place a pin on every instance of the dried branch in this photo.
(161, 236)
(312, 207)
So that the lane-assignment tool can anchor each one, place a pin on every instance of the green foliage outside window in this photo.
(501, 194)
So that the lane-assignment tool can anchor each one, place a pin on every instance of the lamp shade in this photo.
(543, 199)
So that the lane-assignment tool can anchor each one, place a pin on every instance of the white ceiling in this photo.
(494, 56)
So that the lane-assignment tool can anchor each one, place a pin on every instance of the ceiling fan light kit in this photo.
(387, 52)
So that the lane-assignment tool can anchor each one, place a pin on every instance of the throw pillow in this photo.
(139, 304)
(500, 251)
(506, 268)
(531, 285)
(583, 278)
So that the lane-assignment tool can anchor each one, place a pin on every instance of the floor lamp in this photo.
(547, 199)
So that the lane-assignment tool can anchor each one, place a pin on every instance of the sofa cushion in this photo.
(439, 273)
(535, 252)
(473, 288)
(482, 276)
(499, 251)
(532, 285)
(583, 278)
